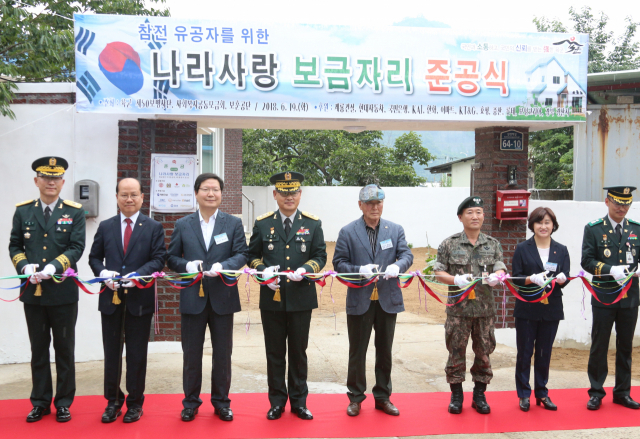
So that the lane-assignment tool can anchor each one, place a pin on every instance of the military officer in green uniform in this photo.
(287, 240)
(47, 238)
(461, 258)
(610, 248)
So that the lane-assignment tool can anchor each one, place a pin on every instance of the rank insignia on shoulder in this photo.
(633, 221)
(598, 221)
(24, 203)
(266, 215)
(72, 204)
(310, 215)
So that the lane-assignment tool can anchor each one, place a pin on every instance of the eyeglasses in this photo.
(209, 190)
(124, 197)
(49, 178)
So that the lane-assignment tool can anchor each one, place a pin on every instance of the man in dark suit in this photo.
(131, 243)
(49, 233)
(367, 245)
(610, 250)
(210, 241)
(287, 240)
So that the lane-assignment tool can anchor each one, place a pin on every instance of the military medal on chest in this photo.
(27, 235)
(270, 246)
(607, 252)
(303, 247)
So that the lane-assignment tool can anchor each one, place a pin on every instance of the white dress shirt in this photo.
(292, 217)
(615, 224)
(51, 206)
(123, 224)
(207, 227)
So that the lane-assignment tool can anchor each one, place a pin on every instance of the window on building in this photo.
(548, 102)
(211, 150)
(576, 103)
(556, 80)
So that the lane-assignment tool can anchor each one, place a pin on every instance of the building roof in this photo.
(446, 167)
(539, 88)
(605, 87)
(544, 62)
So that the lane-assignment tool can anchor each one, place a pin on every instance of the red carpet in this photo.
(420, 414)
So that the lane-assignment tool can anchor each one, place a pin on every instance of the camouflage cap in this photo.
(371, 192)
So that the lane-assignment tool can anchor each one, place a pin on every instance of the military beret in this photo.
(620, 194)
(371, 192)
(50, 166)
(470, 202)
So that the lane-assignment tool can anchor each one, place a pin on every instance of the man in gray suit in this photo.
(370, 245)
(209, 241)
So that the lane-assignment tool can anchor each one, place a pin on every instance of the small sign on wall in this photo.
(511, 140)
(172, 178)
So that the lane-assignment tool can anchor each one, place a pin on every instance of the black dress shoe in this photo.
(225, 414)
(594, 403)
(37, 413)
(627, 402)
(110, 414)
(188, 415)
(63, 414)
(546, 403)
(524, 404)
(302, 412)
(133, 414)
(275, 412)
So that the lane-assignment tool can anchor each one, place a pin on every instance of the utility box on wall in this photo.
(512, 204)
(87, 193)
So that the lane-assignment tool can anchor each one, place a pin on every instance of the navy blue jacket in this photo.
(526, 261)
(146, 254)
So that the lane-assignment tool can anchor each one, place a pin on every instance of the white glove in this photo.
(46, 273)
(561, 278)
(214, 269)
(30, 269)
(110, 283)
(618, 273)
(193, 266)
(539, 279)
(493, 280)
(462, 280)
(392, 271)
(128, 283)
(297, 276)
(368, 269)
(637, 272)
(267, 273)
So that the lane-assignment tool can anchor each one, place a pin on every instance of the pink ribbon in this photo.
(502, 277)
(247, 288)
(69, 272)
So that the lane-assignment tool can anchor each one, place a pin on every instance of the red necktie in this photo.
(127, 234)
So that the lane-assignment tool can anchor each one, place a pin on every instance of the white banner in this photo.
(172, 179)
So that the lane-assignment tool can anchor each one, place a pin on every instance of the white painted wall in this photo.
(90, 144)
(461, 174)
(420, 210)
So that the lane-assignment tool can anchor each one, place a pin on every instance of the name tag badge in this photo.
(551, 266)
(386, 244)
(221, 238)
(629, 258)
(485, 275)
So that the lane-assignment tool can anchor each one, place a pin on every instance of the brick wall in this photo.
(491, 177)
(44, 98)
(232, 197)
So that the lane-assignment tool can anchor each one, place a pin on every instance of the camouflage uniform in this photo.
(456, 255)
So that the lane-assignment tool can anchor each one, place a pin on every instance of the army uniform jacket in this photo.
(304, 247)
(456, 255)
(601, 249)
(60, 243)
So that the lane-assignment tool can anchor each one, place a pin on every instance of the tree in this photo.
(37, 43)
(328, 157)
(551, 151)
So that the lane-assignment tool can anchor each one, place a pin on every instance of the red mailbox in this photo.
(512, 205)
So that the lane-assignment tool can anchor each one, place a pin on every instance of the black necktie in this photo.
(287, 226)
(619, 231)
(47, 214)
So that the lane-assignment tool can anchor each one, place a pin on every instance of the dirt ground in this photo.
(412, 303)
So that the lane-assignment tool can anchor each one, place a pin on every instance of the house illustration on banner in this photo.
(550, 85)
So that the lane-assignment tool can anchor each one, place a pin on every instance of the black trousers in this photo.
(359, 334)
(136, 338)
(530, 335)
(42, 323)
(603, 320)
(194, 328)
(280, 328)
